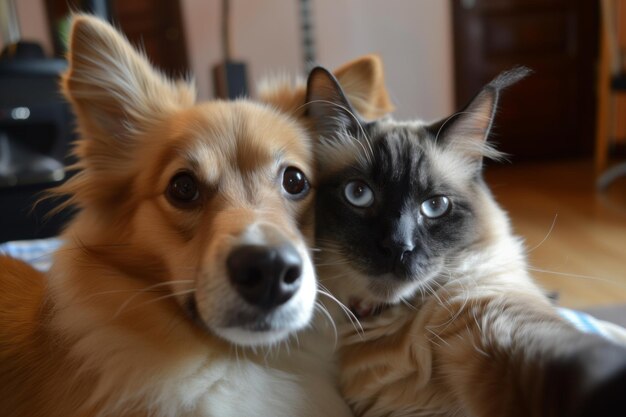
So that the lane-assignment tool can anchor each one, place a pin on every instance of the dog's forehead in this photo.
(244, 135)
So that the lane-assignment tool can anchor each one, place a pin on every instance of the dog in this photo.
(188, 262)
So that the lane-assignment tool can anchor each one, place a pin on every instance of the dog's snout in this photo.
(265, 276)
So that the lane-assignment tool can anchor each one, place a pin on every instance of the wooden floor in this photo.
(575, 236)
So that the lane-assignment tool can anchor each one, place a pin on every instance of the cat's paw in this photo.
(591, 382)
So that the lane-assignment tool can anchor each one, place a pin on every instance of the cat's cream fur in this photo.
(478, 338)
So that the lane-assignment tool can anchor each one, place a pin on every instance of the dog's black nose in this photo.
(265, 276)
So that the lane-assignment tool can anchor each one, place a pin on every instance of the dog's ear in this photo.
(467, 130)
(117, 97)
(113, 88)
(363, 82)
(327, 107)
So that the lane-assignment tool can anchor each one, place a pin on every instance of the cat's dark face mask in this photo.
(397, 202)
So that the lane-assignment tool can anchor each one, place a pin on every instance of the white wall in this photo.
(412, 36)
(33, 23)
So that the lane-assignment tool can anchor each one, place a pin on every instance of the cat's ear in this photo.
(326, 104)
(467, 130)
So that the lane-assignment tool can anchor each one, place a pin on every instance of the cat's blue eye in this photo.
(435, 206)
(359, 194)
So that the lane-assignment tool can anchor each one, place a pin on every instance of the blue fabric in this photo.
(37, 253)
(584, 322)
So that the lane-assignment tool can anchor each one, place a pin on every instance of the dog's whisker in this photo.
(158, 287)
(349, 314)
(319, 306)
(127, 302)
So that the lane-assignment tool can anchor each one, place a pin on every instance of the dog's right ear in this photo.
(113, 88)
(363, 81)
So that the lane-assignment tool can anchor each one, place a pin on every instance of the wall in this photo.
(413, 38)
(33, 23)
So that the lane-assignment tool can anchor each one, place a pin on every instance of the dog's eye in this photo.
(294, 182)
(183, 189)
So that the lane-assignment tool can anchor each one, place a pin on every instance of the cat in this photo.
(411, 238)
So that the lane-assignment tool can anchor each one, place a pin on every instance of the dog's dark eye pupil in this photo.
(294, 181)
(183, 188)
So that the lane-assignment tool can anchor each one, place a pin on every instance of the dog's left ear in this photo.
(117, 97)
(114, 89)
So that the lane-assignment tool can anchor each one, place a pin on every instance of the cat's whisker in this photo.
(546, 236)
(319, 306)
(337, 276)
(350, 315)
(369, 155)
(407, 304)
(354, 321)
(332, 263)
(580, 276)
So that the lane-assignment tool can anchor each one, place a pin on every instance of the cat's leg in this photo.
(515, 356)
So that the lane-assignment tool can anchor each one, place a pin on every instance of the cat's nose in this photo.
(398, 248)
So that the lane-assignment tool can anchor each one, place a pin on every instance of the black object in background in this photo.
(307, 36)
(229, 77)
(35, 135)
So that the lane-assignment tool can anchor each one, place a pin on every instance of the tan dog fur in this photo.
(104, 333)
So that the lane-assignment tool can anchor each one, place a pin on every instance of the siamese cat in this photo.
(411, 238)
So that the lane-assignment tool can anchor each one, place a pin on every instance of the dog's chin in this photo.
(258, 329)
(247, 325)
(267, 330)
(244, 337)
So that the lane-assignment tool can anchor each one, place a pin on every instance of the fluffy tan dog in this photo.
(187, 263)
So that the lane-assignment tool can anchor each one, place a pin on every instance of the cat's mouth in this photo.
(389, 289)
(363, 309)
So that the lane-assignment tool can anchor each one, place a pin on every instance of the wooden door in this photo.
(157, 26)
(552, 113)
(154, 25)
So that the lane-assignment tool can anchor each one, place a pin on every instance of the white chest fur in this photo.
(294, 382)
(171, 371)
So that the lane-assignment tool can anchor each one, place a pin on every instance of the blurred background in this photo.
(564, 128)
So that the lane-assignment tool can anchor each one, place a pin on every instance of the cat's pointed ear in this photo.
(327, 106)
(468, 129)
